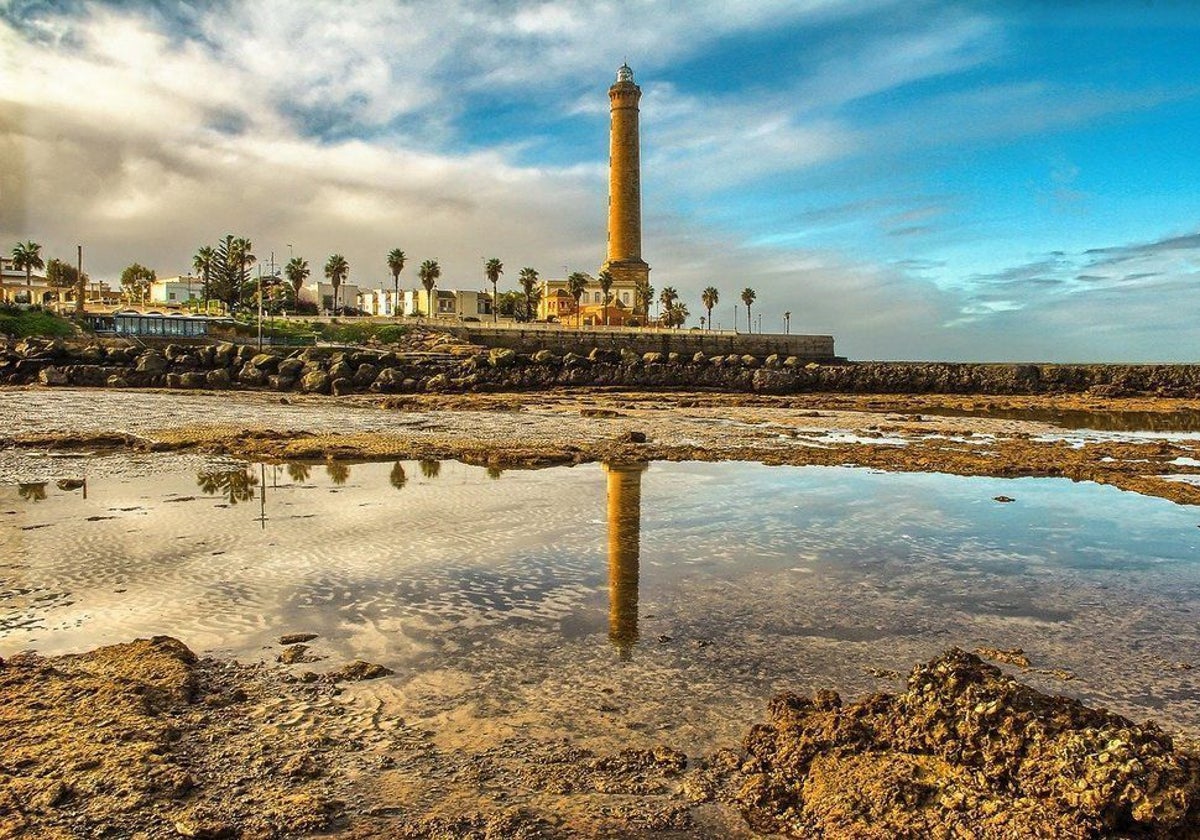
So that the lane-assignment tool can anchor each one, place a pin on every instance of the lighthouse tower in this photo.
(624, 261)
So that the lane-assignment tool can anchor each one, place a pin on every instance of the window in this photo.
(596, 299)
(170, 296)
(625, 297)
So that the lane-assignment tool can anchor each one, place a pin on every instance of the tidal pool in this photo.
(617, 603)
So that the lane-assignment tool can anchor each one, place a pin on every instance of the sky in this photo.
(985, 181)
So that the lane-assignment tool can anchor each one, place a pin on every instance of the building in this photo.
(320, 294)
(176, 290)
(13, 288)
(624, 255)
(556, 302)
(381, 302)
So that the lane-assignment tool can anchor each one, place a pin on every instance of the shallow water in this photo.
(614, 603)
(1104, 421)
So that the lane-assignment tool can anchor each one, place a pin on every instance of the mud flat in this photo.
(144, 739)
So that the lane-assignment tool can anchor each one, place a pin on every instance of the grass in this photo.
(24, 323)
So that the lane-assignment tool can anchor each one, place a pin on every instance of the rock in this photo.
(315, 382)
(673, 358)
(52, 376)
(437, 382)
(388, 381)
(357, 671)
(69, 484)
(193, 379)
(93, 354)
(117, 381)
(279, 382)
(340, 370)
(1011, 656)
(633, 437)
(501, 357)
(1004, 499)
(224, 353)
(749, 361)
(296, 653)
(717, 361)
(628, 357)
(652, 358)
(772, 360)
(174, 380)
(266, 362)
(545, 357)
(250, 375)
(150, 362)
(365, 374)
(791, 362)
(573, 360)
(341, 386)
(698, 358)
(290, 367)
(218, 378)
(297, 638)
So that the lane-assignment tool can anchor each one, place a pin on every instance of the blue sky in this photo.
(924, 180)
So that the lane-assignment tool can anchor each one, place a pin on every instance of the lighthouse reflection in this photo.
(624, 538)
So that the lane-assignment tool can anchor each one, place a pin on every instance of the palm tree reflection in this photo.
(430, 468)
(298, 471)
(338, 471)
(235, 485)
(624, 546)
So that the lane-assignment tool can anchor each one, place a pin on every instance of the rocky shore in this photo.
(144, 739)
(433, 362)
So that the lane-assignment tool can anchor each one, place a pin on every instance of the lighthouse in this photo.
(624, 253)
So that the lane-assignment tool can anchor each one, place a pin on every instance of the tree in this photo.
(395, 262)
(336, 269)
(510, 304)
(244, 259)
(576, 284)
(296, 271)
(27, 256)
(676, 314)
(229, 271)
(61, 275)
(748, 297)
(787, 323)
(643, 293)
(204, 261)
(605, 279)
(429, 272)
(136, 280)
(529, 281)
(710, 297)
(492, 269)
(666, 299)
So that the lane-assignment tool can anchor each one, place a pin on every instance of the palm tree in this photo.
(429, 272)
(492, 269)
(677, 314)
(336, 269)
(395, 261)
(748, 297)
(397, 478)
(28, 256)
(296, 272)
(576, 283)
(529, 280)
(643, 294)
(605, 279)
(710, 297)
(204, 261)
(667, 298)
(787, 323)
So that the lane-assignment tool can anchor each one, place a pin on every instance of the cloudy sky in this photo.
(924, 180)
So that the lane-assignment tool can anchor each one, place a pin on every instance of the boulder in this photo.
(749, 361)
(791, 361)
(673, 358)
(341, 386)
(93, 354)
(266, 362)
(150, 362)
(388, 381)
(223, 354)
(52, 376)
(699, 358)
(193, 379)
(573, 360)
(545, 357)
(365, 374)
(652, 358)
(771, 361)
(501, 357)
(628, 357)
(117, 381)
(340, 370)
(290, 367)
(439, 382)
(279, 382)
(174, 380)
(218, 378)
(250, 375)
(315, 382)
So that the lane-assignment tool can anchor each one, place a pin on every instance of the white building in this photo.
(381, 302)
(176, 290)
(14, 290)
(450, 303)
(320, 293)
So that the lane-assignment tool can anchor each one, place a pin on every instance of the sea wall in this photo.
(818, 348)
(466, 368)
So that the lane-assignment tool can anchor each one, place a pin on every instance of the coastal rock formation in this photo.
(465, 367)
(964, 751)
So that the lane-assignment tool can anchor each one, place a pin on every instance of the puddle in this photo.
(614, 602)
(1105, 421)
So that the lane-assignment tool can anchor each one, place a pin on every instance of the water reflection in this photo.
(624, 545)
(430, 468)
(1105, 421)
(396, 477)
(33, 491)
(339, 472)
(235, 485)
(298, 471)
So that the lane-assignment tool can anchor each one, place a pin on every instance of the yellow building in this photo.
(556, 302)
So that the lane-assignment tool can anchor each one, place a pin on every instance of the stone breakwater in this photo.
(465, 368)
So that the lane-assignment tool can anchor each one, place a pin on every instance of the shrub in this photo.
(391, 334)
(18, 323)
